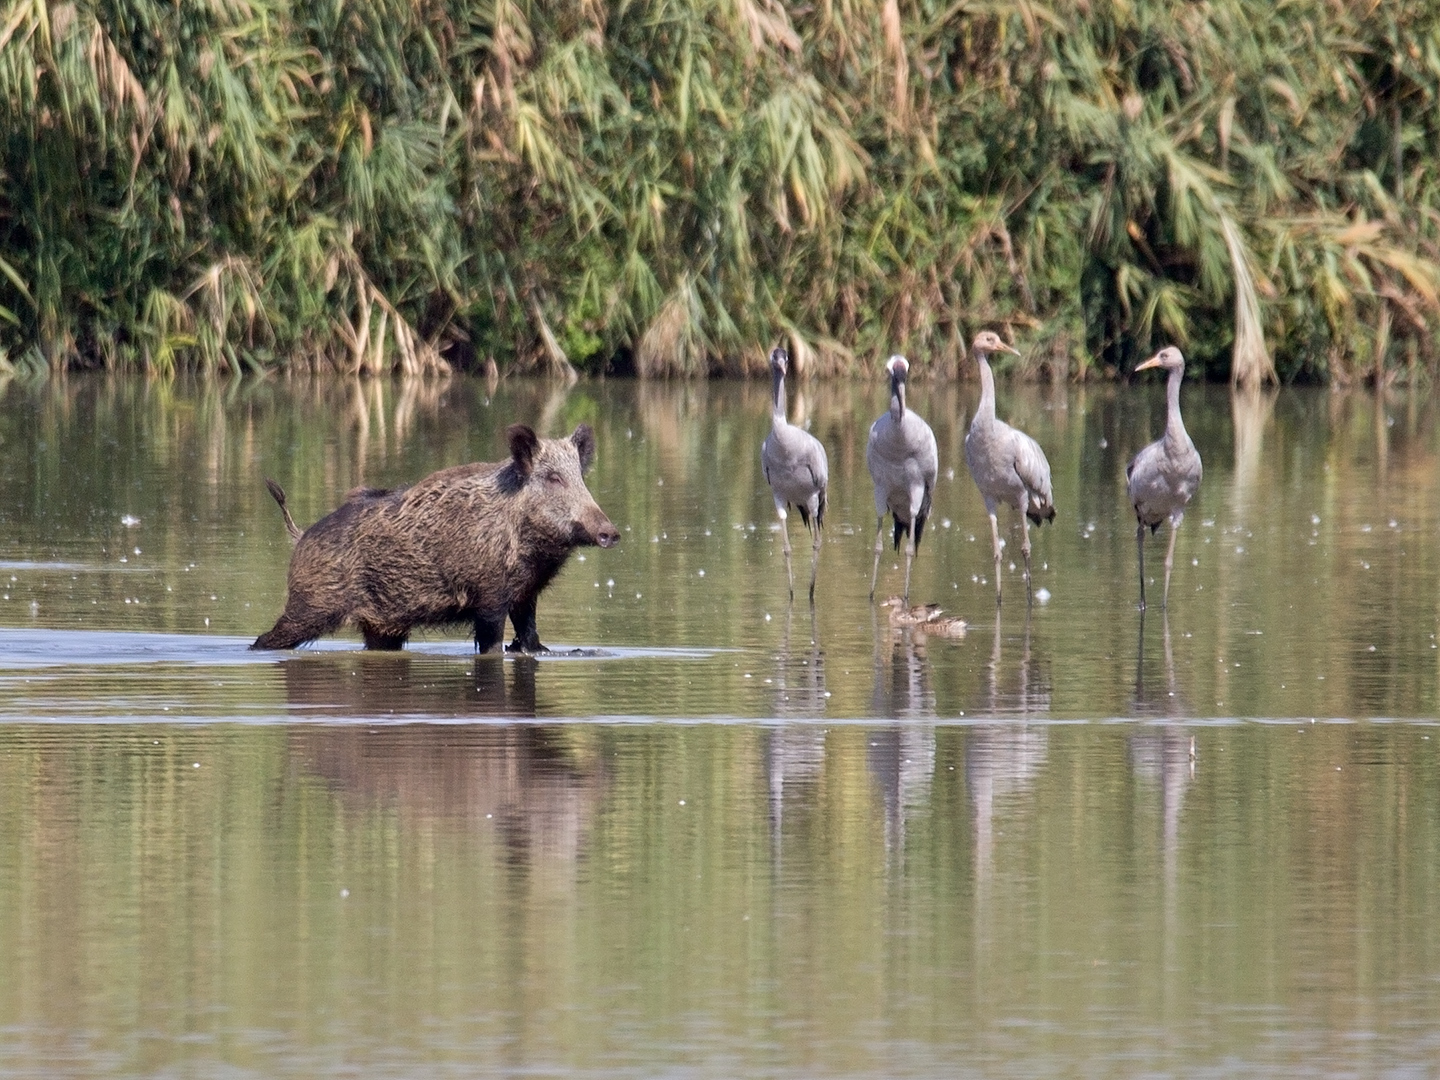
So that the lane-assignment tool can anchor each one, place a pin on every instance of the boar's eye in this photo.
(554, 477)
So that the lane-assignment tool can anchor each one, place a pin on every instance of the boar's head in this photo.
(550, 476)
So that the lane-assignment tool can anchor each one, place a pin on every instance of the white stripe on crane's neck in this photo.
(897, 396)
(1174, 425)
(777, 397)
(986, 409)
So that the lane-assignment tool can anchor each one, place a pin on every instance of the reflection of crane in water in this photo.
(904, 464)
(800, 673)
(901, 756)
(1163, 477)
(794, 758)
(1008, 466)
(1165, 756)
(1029, 693)
(1001, 760)
(795, 752)
(1004, 758)
(1149, 702)
(796, 469)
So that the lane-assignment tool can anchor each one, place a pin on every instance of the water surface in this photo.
(715, 833)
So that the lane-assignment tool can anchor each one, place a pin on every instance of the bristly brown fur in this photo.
(473, 543)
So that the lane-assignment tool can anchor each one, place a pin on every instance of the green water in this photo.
(729, 836)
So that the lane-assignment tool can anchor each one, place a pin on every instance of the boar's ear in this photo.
(584, 440)
(523, 444)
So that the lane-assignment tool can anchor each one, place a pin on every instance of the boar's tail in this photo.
(279, 494)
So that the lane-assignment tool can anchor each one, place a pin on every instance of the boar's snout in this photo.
(591, 526)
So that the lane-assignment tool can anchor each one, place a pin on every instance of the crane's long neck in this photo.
(1174, 426)
(777, 399)
(985, 411)
(897, 398)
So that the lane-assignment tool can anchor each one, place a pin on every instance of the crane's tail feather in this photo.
(1042, 515)
(812, 521)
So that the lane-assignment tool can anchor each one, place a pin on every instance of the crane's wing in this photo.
(817, 462)
(927, 455)
(1032, 468)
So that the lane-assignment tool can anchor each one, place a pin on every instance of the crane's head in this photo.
(899, 368)
(779, 360)
(987, 341)
(1169, 358)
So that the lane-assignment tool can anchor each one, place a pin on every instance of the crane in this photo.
(1163, 477)
(1008, 466)
(796, 469)
(904, 463)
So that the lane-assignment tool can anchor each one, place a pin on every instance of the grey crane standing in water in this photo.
(1162, 478)
(904, 463)
(1008, 466)
(796, 469)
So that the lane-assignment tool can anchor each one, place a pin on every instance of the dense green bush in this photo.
(673, 185)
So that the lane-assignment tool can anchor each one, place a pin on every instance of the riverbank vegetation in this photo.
(669, 187)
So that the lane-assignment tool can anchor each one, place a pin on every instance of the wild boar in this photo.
(472, 543)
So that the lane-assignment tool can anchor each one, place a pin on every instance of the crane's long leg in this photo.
(814, 557)
(1140, 550)
(785, 534)
(1169, 562)
(909, 558)
(995, 543)
(879, 548)
(1025, 550)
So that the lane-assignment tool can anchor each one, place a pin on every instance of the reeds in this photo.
(671, 187)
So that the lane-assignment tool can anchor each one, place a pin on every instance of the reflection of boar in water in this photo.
(472, 543)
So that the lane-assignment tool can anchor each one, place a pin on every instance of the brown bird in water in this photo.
(924, 618)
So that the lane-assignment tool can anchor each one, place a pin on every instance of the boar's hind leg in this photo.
(489, 630)
(376, 638)
(527, 638)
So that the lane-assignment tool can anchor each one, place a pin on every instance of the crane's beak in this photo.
(1009, 348)
(1153, 362)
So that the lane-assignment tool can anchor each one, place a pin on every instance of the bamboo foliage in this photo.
(418, 184)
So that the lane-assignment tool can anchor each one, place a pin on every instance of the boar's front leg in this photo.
(489, 630)
(527, 638)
